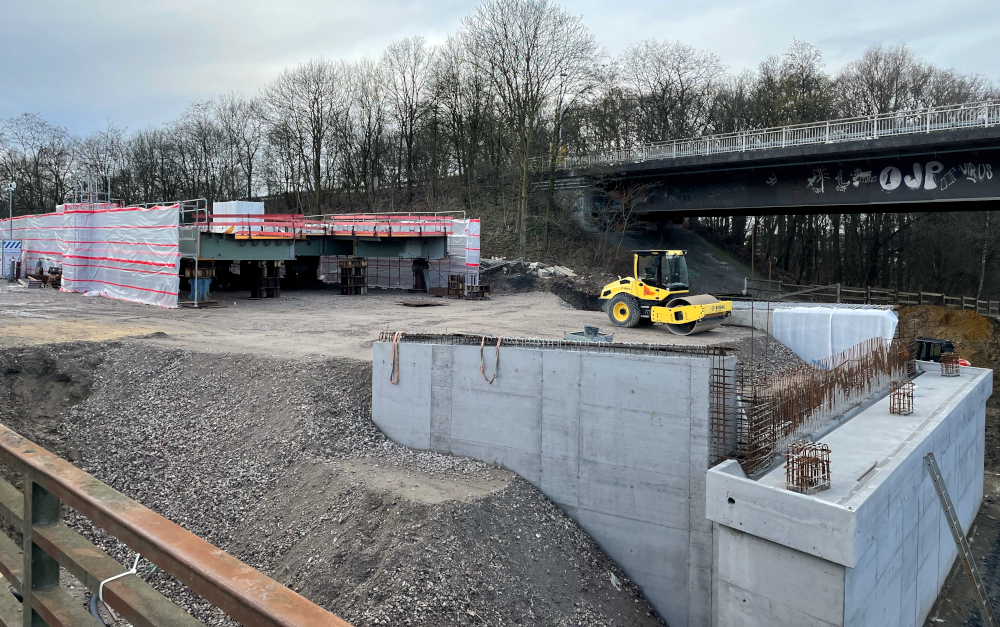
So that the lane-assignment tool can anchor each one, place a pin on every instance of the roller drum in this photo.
(699, 326)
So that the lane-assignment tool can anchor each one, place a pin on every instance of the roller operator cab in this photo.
(657, 292)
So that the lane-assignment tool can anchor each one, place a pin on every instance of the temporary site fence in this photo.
(128, 253)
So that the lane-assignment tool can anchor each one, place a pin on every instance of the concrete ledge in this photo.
(801, 522)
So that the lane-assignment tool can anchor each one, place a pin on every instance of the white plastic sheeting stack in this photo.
(238, 209)
(128, 253)
(815, 333)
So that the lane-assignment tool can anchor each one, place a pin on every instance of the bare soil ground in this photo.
(296, 480)
(304, 324)
(276, 460)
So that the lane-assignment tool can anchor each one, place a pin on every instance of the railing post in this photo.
(784, 136)
(838, 293)
(40, 569)
(875, 126)
(828, 132)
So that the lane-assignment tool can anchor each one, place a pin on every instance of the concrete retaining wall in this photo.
(620, 442)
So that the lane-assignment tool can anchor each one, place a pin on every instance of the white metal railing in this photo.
(951, 117)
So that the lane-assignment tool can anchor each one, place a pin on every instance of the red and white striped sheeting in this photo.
(128, 253)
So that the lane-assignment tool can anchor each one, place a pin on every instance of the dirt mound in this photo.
(510, 279)
(580, 292)
(278, 462)
(764, 352)
(39, 384)
(977, 338)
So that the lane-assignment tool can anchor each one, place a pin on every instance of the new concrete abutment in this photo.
(619, 441)
(623, 442)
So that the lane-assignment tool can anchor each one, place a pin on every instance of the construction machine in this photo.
(656, 292)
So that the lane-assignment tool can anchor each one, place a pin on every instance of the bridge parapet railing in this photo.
(49, 545)
(951, 117)
(779, 291)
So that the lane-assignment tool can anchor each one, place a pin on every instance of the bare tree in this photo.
(885, 79)
(361, 132)
(407, 72)
(674, 84)
(527, 48)
(242, 121)
(306, 99)
(465, 102)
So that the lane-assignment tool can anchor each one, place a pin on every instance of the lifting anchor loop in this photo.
(131, 571)
(394, 369)
(496, 360)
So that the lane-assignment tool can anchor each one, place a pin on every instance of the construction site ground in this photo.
(250, 424)
(305, 323)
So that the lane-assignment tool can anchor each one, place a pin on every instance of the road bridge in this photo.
(931, 160)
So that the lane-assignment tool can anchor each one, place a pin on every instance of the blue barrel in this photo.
(201, 285)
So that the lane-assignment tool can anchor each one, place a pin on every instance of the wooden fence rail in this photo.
(838, 293)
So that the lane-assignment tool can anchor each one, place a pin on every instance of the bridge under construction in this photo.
(140, 252)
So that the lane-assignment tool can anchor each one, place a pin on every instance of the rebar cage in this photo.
(901, 397)
(807, 467)
(949, 365)
(773, 410)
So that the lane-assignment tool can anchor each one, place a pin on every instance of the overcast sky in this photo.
(137, 63)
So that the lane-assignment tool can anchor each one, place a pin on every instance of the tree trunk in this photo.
(523, 208)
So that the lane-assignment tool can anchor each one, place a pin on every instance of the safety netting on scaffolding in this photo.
(127, 253)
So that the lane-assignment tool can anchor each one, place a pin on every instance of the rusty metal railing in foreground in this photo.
(243, 593)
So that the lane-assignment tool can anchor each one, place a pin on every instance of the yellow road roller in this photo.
(657, 292)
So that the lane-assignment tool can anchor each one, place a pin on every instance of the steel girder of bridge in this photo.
(222, 246)
(275, 237)
(931, 171)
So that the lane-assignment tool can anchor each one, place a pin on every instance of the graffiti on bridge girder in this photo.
(960, 176)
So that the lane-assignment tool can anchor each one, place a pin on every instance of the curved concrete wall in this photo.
(620, 442)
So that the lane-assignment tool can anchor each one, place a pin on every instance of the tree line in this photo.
(457, 125)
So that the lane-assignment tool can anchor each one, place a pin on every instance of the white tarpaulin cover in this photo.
(239, 208)
(472, 245)
(815, 333)
(128, 253)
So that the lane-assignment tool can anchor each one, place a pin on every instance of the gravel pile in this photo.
(765, 353)
(278, 462)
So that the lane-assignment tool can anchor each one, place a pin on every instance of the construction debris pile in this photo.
(278, 462)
